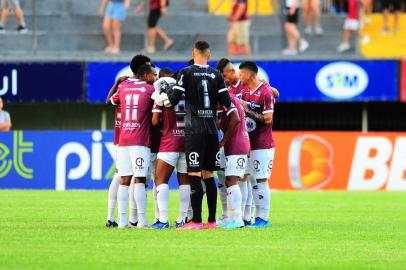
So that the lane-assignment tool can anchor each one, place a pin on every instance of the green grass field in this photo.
(323, 230)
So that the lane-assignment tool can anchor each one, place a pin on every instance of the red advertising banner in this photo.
(403, 82)
(339, 161)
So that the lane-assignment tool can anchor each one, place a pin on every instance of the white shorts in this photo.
(133, 160)
(261, 161)
(151, 169)
(175, 159)
(222, 158)
(235, 165)
(351, 24)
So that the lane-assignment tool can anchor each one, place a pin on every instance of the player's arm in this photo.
(233, 125)
(223, 96)
(114, 88)
(264, 118)
(176, 93)
(156, 115)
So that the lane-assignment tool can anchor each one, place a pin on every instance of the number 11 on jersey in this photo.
(131, 106)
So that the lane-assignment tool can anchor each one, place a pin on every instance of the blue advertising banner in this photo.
(297, 81)
(41, 82)
(61, 160)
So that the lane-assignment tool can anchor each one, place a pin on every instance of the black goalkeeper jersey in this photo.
(204, 88)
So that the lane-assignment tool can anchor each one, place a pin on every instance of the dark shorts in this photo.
(153, 17)
(202, 152)
(292, 18)
(395, 4)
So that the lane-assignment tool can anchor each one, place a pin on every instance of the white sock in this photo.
(264, 200)
(162, 197)
(248, 203)
(234, 206)
(115, 182)
(122, 198)
(190, 212)
(254, 203)
(222, 190)
(133, 205)
(184, 201)
(155, 202)
(140, 196)
(244, 194)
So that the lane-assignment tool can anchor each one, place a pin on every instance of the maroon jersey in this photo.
(239, 144)
(117, 125)
(237, 89)
(261, 100)
(156, 136)
(155, 4)
(135, 100)
(244, 15)
(173, 127)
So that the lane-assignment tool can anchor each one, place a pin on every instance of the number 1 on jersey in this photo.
(206, 98)
(131, 104)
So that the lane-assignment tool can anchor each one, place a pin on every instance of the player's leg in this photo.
(164, 169)
(222, 189)
(116, 26)
(112, 200)
(133, 219)
(184, 190)
(125, 171)
(262, 165)
(151, 176)
(140, 157)
(242, 184)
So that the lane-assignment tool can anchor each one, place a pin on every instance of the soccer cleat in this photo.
(22, 29)
(142, 225)
(132, 224)
(210, 225)
(160, 225)
(221, 220)
(233, 225)
(111, 224)
(192, 226)
(180, 224)
(260, 223)
(247, 222)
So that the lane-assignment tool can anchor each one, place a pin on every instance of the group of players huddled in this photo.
(197, 121)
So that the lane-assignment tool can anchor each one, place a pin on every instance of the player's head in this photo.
(1, 104)
(248, 71)
(147, 73)
(137, 62)
(201, 51)
(227, 69)
(165, 72)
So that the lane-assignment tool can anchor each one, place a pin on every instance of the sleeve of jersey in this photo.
(156, 109)
(269, 102)
(178, 90)
(222, 94)
(115, 99)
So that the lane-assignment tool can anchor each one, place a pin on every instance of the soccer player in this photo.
(259, 108)
(204, 88)
(231, 77)
(134, 152)
(236, 149)
(171, 155)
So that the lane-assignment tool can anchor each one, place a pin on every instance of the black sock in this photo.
(211, 193)
(196, 197)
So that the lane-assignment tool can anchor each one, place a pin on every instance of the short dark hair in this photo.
(191, 62)
(144, 69)
(165, 72)
(202, 46)
(222, 64)
(249, 65)
(137, 62)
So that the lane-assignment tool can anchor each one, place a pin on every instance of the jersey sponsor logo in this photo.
(193, 159)
(205, 74)
(310, 162)
(251, 124)
(342, 80)
(205, 113)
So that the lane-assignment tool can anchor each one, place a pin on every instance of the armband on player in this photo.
(257, 117)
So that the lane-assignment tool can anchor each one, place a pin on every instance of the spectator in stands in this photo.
(157, 8)
(5, 121)
(238, 37)
(396, 5)
(351, 25)
(293, 34)
(114, 12)
(311, 11)
(6, 6)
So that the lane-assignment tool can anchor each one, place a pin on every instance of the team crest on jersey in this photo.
(251, 124)
(142, 89)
